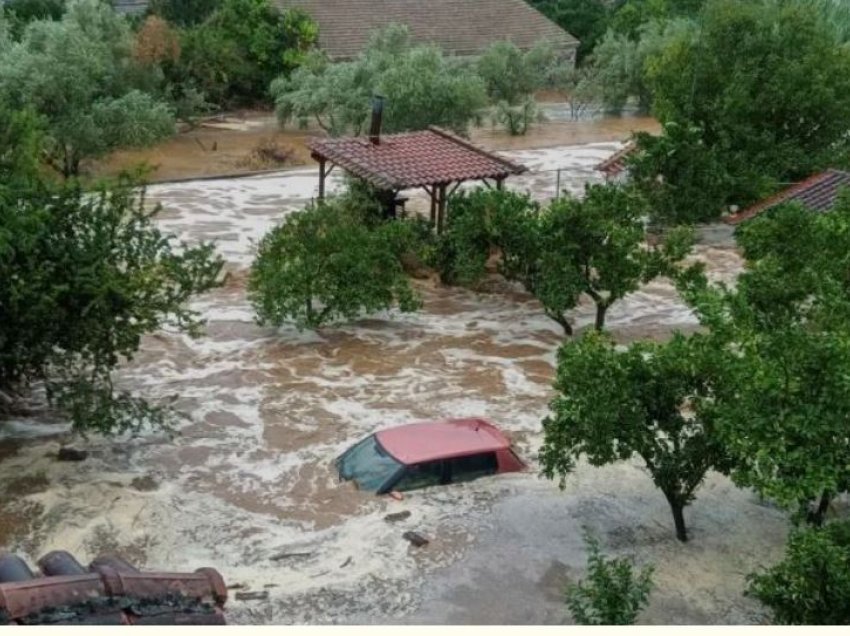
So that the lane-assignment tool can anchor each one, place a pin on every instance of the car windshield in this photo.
(369, 465)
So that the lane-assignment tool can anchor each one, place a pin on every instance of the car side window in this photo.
(473, 466)
(421, 476)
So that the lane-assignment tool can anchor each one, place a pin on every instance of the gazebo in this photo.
(433, 159)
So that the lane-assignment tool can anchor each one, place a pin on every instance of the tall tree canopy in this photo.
(79, 75)
(766, 87)
(422, 87)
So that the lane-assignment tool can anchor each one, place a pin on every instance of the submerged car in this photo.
(428, 454)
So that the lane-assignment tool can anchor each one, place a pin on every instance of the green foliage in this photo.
(76, 74)
(83, 276)
(184, 13)
(767, 88)
(241, 47)
(592, 246)
(332, 261)
(422, 87)
(782, 331)
(811, 585)
(612, 594)
(21, 12)
(20, 142)
(679, 175)
(587, 20)
(645, 401)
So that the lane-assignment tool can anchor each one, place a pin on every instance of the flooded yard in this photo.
(247, 486)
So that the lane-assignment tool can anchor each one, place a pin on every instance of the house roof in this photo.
(427, 441)
(818, 193)
(109, 591)
(415, 159)
(616, 163)
(459, 27)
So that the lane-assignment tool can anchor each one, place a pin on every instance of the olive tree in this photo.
(646, 401)
(74, 73)
(329, 262)
(422, 87)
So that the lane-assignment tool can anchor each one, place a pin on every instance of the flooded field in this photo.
(247, 485)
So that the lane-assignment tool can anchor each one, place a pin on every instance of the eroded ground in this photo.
(247, 485)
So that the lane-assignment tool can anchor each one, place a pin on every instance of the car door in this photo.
(422, 475)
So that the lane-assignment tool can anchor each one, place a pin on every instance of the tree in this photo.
(235, 53)
(422, 87)
(183, 13)
(22, 12)
(591, 247)
(512, 76)
(612, 594)
(329, 262)
(20, 142)
(646, 401)
(766, 86)
(75, 75)
(83, 276)
(811, 585)
(782, 331)
(156, 42)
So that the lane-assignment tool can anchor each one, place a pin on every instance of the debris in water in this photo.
(252, 596)
(144, 484)
(290, 555)
(68, 454)
(347, 562)
(397, 516)
(416, 539)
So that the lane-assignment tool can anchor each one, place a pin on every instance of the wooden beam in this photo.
(433, 194)
(322, 175)
(441, 212)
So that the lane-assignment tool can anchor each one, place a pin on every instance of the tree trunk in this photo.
(565, 324)
(816, 518)
(678, 519)
(601, 310)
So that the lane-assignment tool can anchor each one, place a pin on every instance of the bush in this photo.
(612, 593)
(184, 13)
(329, 262)
(811, 585)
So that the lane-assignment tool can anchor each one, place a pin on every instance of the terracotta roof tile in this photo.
(616, 163)
(460, 27)
(410, 160)
(818, 193)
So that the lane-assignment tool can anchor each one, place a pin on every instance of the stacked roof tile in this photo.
(818, 193)
(614, 165)
(460, 27)
(411, 160)
(109, 592)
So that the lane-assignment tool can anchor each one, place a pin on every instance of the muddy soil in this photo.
(249, 481)
(228, 147)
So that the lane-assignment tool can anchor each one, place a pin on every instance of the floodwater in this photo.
(247, 486)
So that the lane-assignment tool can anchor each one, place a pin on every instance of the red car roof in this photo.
(427, 441)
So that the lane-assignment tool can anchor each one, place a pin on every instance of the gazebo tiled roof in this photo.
(818, 193)
(413, 160)
(616, 163)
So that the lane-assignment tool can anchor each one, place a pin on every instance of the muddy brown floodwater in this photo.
(247, 486)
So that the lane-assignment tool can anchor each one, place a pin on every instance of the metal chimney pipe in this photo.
(377, 118)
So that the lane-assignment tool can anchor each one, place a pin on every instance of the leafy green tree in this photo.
(587, 20)
(783, 332)
(592, 247)
(20, 143)
(184, 13)
(766, 86)
(234, 54)
(83, 276)
(422, 87)
(512, 76)
(811, 585)
(646, 401)
(612, 594)
(329, 262)
(74, 74)
(22, 12)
